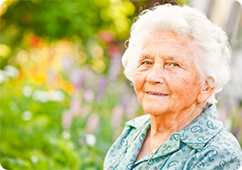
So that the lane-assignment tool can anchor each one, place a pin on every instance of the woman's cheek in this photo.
(137, 81)
(177, 85)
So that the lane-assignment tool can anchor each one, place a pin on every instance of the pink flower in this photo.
(117, 114)
(132, 106)
(51, 76)
(88, 95)
(66, 120)
(106, 36)
(75, 106)
(92, 123)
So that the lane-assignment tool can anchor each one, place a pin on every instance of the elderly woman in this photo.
(177, 62)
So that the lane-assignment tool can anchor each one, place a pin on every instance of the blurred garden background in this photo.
(63, 97)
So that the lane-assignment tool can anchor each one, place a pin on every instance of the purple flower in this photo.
(115, 66)
(102, 87)
(237, 131)
(77, 78)
(222, 114)
(132, 106)
(67, 63)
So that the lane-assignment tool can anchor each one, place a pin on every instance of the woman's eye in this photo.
(147, 63)
(174, 64)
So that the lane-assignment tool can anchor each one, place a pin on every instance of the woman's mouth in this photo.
(157, 94)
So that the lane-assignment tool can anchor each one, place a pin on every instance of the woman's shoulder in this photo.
(125, 137)
(222, 151)
(224, 141)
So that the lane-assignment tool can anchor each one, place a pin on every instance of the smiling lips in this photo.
(157, 94)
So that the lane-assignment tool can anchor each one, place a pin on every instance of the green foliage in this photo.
(32, 136)
(79, 21)
(55, 19)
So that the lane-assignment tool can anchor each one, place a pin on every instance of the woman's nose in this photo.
(156, 74)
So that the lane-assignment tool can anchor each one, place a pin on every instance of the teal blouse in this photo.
(204, 144)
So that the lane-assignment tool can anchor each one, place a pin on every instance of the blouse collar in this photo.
(196, 135)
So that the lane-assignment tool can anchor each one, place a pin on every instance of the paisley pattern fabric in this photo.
(204, 144)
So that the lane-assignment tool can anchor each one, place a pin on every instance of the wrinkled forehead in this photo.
(169, 45)
(167, 36)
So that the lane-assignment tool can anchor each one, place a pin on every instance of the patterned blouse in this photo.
(204, 144)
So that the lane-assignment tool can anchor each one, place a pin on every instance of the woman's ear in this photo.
(206, 91)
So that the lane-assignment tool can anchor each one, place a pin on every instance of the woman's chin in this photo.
(155, 109)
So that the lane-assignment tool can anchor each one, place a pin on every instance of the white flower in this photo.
(3, 76)
(228, 124)
(66, 134)
(27, 115)
(11, 71)
(27, 91)
(34, 159)
(90, 139)
(41, 95)
(55, 95)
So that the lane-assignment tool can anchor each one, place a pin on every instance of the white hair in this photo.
(213, 48)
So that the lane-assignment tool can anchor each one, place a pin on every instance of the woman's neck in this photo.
(165, 125)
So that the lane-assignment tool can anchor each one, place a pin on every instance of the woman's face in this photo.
(166, 79)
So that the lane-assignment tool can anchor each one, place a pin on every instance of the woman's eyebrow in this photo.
(145, 56)
(165, 57)
(170, 58)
